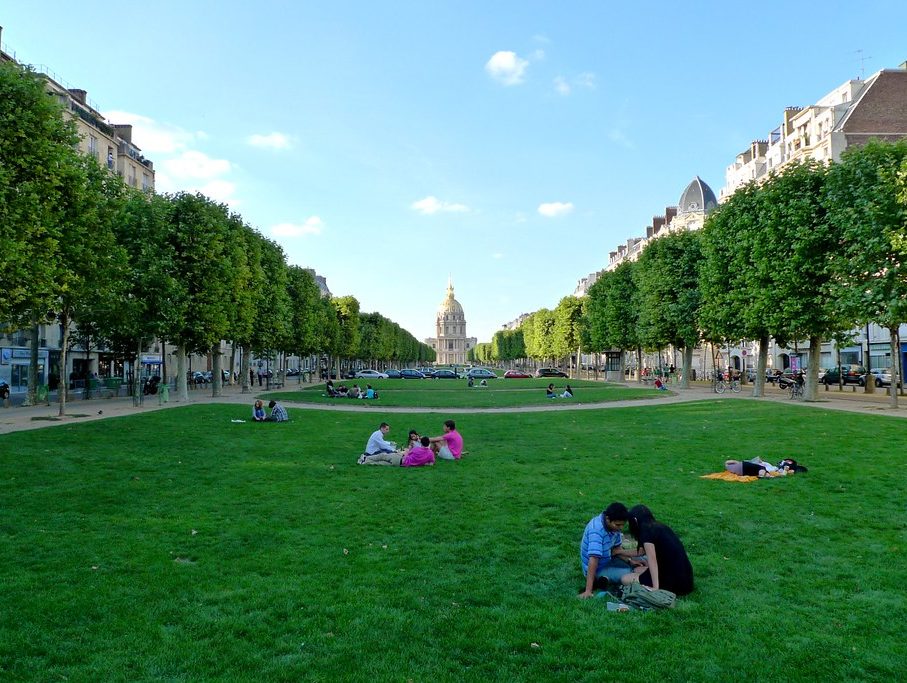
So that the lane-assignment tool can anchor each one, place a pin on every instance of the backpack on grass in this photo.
(641, 597)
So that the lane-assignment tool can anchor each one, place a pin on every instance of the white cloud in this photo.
(587, 79)
(561, 86)
(620, 137)
(498, 255)
(154, 137)
(538, 55)
(506, 67)
(312, 226)
(194, 164)
(431, 205)
(273, 140)
(555, 209)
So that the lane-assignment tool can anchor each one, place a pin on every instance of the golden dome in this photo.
(450, 306)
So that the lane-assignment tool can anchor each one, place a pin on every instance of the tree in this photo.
(796, 229)
(869, 219)
(667, 276)
(612, 314)
(737, 274)
(567, 329)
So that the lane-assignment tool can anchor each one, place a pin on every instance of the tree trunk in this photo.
(31, 396)
(217, 377)
(244, 370)
(233, 364)
(811, 392)
(182, 383)
(64, 346)
(136, 374)
(687, 356)
(893, 389)
(761, 365)
(639, 364)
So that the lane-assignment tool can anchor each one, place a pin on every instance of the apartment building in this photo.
(851, 114)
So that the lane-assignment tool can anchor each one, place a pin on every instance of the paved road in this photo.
(21, 418)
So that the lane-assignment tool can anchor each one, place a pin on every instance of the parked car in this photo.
(516, 374)
(370, 374)
(444, 373)
(392, 374)
(882, 377)
(852, 374)
(410, 373)
(550, 372)
(292, 372)
(481, 373)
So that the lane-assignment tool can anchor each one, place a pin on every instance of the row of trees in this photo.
(79, 247)
(809, 254)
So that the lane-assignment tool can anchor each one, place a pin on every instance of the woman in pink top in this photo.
(448, 446)
(419, 455)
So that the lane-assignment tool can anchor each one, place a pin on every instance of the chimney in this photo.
(124, 130)
(78, 95)
(649, 232)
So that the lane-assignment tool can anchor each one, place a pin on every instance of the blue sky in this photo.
(508, 145)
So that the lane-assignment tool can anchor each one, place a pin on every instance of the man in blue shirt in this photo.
(600, 550)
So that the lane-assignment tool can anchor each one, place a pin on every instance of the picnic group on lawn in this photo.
(419, 450)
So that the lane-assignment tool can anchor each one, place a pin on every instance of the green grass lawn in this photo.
(456, 394)
(177, 545)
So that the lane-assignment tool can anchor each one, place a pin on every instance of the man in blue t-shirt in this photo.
(600, 550)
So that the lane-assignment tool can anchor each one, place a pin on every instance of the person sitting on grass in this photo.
(258, 411)
(568, 392)
(659, 385)
(550, 392)
(377, 445)
(667, 565)
(470, 382)
(329, 388)
(418, 456)
(412, 440)
(601, 553)
(369, 392)
(354, 392)
(278, 413)
(448, 446)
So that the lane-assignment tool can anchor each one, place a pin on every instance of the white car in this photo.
(370, 374)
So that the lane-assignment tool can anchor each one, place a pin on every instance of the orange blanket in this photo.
(729, 476)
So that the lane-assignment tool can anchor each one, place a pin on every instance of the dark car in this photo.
(409, 373)
(550, 372)
(392, 374)
(851, 374)
(443, 373)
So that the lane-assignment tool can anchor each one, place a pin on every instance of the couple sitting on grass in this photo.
(278, 412)
(659, 560)
(419, 450)
(551, 392)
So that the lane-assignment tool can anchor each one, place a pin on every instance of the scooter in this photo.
(151, 384)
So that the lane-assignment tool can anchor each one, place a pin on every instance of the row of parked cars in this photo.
(845, 374)
(447, 373)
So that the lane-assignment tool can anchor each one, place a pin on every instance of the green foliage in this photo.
(568, 323)
(37, 164)
(612, 311)
(869, 220)
(667, 279)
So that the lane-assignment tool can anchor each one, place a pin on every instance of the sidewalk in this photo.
(82, 410)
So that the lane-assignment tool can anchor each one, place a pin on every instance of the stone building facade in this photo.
(450, 341)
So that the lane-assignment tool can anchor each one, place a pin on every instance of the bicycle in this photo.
(796, 391)
(723, 385)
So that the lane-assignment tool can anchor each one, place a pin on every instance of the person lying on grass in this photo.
(603, 558)
(418, 456)
(667, 564)
(448, 446)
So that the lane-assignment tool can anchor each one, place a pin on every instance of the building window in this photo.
(110, 158)
(132, 176)
(93, 146)
(146, 182)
